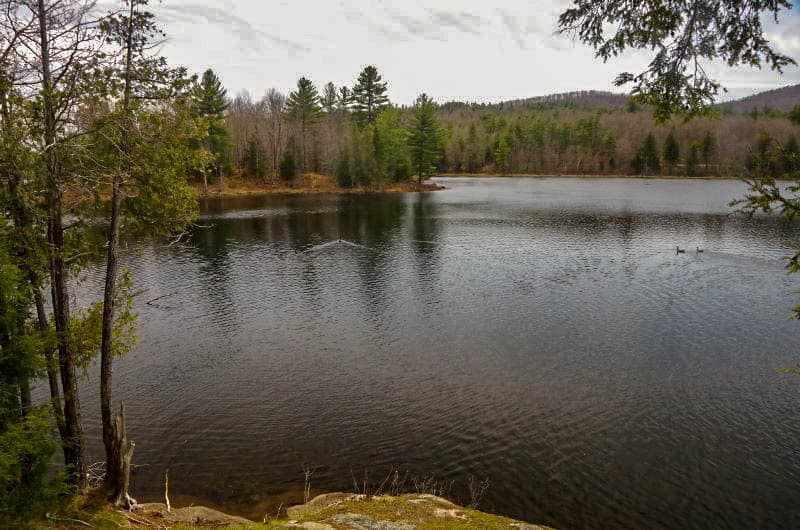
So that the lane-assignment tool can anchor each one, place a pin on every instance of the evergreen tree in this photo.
(608, 150)
(288, 169)
(303, 108)
(502, 149)
(693, 159)
(791, 156)
(473, 150)
(255, 158)
(391, 146)
(794, 115)
(209, 97)
(343, 176)
(651, 161)
(345, 98)
(424, 138)
(329, 98)
(369, 96)
(209, 101)
(707, 148)
(671, 151)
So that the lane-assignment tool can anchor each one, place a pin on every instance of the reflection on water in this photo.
(541, 333)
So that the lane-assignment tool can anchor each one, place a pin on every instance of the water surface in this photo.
(542, 333)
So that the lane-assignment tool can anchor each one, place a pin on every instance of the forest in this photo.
(357, 135)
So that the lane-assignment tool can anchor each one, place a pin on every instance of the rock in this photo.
(527, 526)
(190, 515)
(319, 503)
(438, 500)
(357, 521)
(308, 525)
(456, 514)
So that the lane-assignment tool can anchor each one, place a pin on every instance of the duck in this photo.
(699, 250)
(679, 250)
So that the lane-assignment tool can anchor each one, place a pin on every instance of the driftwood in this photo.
(166, 490)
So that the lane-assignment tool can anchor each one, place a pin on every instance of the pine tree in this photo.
(693, 159)
(303, 108)
(329, 98)
(345, 98)
(255, 158)
(288, 169)
(209, 101)
(424, 138)
(369, 96)
(209, 97)
(501, 151)
(671, 151)
(791, 156)
(707, 148)
(650, 159)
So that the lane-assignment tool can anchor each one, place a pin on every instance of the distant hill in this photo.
(582, 98)
(782, 99)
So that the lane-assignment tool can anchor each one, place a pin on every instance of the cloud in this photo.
(255, 39)
(516, 32)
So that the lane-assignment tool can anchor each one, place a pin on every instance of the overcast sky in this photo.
(453, 50)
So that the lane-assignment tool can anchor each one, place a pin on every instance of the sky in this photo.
(453, 50)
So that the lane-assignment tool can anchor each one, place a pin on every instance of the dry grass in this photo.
(304, 184)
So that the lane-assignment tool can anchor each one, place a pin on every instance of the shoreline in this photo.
(582, 176)
(305, 185)
(327, 511)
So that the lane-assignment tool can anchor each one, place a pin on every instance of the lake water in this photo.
(541, 333)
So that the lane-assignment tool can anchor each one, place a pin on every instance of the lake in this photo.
(541, 333)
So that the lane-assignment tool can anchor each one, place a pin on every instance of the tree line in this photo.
(352, 133)
(358, 136)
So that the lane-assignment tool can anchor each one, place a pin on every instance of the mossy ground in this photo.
(423, 512)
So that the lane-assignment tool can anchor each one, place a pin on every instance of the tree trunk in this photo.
(119, 495)
(110, 438)
(73, 430)
(114, 441)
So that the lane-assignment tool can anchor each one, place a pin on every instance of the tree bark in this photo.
(116, 478)
(73, 430)
(119, 496)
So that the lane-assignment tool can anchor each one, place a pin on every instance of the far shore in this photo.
(303, 185)
(587, 176)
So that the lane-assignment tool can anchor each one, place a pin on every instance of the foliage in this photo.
(303, 108)
(369, 96)
(27, 445)
(86, 325)
(794, 115)
(27, 434)
(209, 102)
(693, 159)
(390, 141)
(329, 98)
(672, 153)
(685, 38)
(647, 160)
(255, 158)
(344, 178)
(424, 138)
(288, 169)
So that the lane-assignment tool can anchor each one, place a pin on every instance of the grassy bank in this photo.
(303, 184)
(333, 511)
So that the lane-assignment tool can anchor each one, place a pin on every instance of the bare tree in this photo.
(275, 103)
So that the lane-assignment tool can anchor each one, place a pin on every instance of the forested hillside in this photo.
(357, 135)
